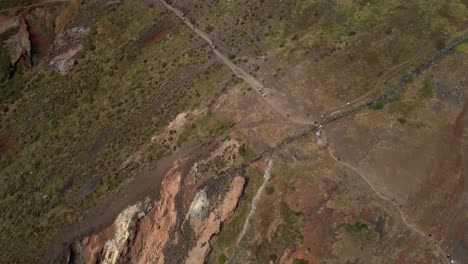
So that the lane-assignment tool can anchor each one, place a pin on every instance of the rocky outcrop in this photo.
(107, 245)
(142, 235)
(63, 62)
(18, 45)
(227, 152)
(154, 230)
(200, 205)
(124, 227)
(211, 226)
(27, 34)
(8, 23)
(89, 249)
(67, 44)
(138, 234)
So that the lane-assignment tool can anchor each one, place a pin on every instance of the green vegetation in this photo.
(289, 231)
(222, 259)
(246, 152)
(440, 45)
(356, 239)
(156, 152)
(298, 214)
(9, 33)
(462, 47)
(269, 190)
(402, 120)
(231, 230)
(76, 131)
(402, 108)
(207, 125)
(377, 106)
(300, 261)
(4, 63)
(5, 163)
(375, 34)
(83, 126)
(284, 235)
(359, 226)
(426, 91)
(217, 165)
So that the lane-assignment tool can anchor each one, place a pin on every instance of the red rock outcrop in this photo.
(211, 226)
(135, 235)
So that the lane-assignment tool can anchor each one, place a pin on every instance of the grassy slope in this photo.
(74, 131)
(358, 39)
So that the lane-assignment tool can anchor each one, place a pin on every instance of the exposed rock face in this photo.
(138, 234)
(32, 28)
(200, 205)
(90, 248)
(124, 227)
(178, 122)
(19, 44)
(107, 245)
(67, 45)
(138, 238)
(63, 62)
(70, 37)
(227, 151)
(8, 23)
(232, 197)
(211, 226)
(154, 230)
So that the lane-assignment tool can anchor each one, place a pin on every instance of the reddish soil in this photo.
(316, 234)
(312, 200)
(94, 244)
(39, 43)
(448, 175)
(154, 230)
(7, 147)
(404, 255)
(154, 38)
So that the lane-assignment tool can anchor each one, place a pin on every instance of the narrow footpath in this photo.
(253, 208)
(403, 217)
(256, 85)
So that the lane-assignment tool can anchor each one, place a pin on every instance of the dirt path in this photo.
(387, 75)
(253, 208)
(256, 85)
(403, 217)
(394, 90)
